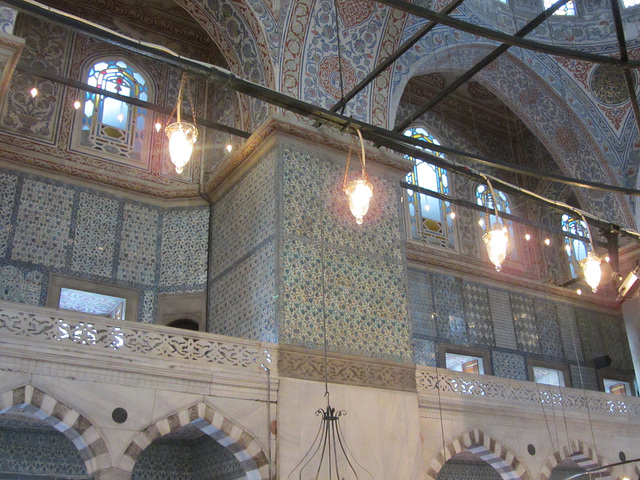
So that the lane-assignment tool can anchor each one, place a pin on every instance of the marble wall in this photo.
(50, 227)
(512, 327)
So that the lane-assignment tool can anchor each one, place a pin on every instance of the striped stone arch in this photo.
(581, 454)
(86, 438)
(485, 448)
(243, 446)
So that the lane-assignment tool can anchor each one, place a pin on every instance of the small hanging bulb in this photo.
(579, 291)
(77, 104)
(34, 92)
(527, 237)
(481, 222)
(120, 117)
(229, 147)
(568, 249)
(497, 241)
(547, 241)
(359, 192)
(453, 215)
(592, 271)
(607, 259)
(158, 126)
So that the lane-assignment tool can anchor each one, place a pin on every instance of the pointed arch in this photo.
(581, 454)
(76, 427)
(242, 445)
(485, 448)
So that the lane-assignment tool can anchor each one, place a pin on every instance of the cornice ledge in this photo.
(306, 364)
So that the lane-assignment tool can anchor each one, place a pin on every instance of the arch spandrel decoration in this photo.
(484, 447)
(77, 428)
(240, 443)
(581, 454)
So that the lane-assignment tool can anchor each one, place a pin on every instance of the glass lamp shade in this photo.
(182, 136)
(359, 192)
(592, 272)
(497, 241)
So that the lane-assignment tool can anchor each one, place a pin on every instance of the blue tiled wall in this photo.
(48, 227)
(29, 453)
(445, 309)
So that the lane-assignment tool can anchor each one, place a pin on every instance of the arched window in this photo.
(576, 249)
(485, 199)
(568, 8)
(430, 218)
(110, 127)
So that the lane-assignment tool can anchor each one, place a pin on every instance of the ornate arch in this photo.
(581, 454)
(77, 428)
(242, 444)
(484, 447)
(545, 112)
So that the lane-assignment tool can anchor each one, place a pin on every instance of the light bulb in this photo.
(34, 92)
(527, 237)
(77, 104)
(481, 222)
(120, 117)
(497, 241)
(158, 126)
(592, 271)
(607, 259)
(229, 147)
(181, 136)
(359, 192)
(568, 249)
(579, 291)
(453, 215)
(547, 241)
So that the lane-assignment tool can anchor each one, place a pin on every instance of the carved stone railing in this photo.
(488, 389)
(96, 334)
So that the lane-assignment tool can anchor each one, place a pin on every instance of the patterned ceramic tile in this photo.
(364, 301)
(246, 215)
(569, 332)
(20, 286)
(468, 470)
(148, 307)
(424, 352)
(478, 314)
(244, 298)
(138, 257)
(509, 365)
(210, 460)
(8, 185)
(309, 203)
(421, 303)
(39, 453)
(164, 460)
(7, 19)
(547, 320)
(616, 343)
(524, 320)
(43, 224)
(95, 235)
(449, 309)
(592, 341)
(584, 377)
(184, 247)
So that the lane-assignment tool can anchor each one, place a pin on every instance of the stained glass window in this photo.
(568, 8)
(430, 218)
(110, 125)
(576, 249)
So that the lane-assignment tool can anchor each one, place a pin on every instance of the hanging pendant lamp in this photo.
(496, 239)
(182, 135)
(360, 190)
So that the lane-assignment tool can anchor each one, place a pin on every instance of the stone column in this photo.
(631, 313)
